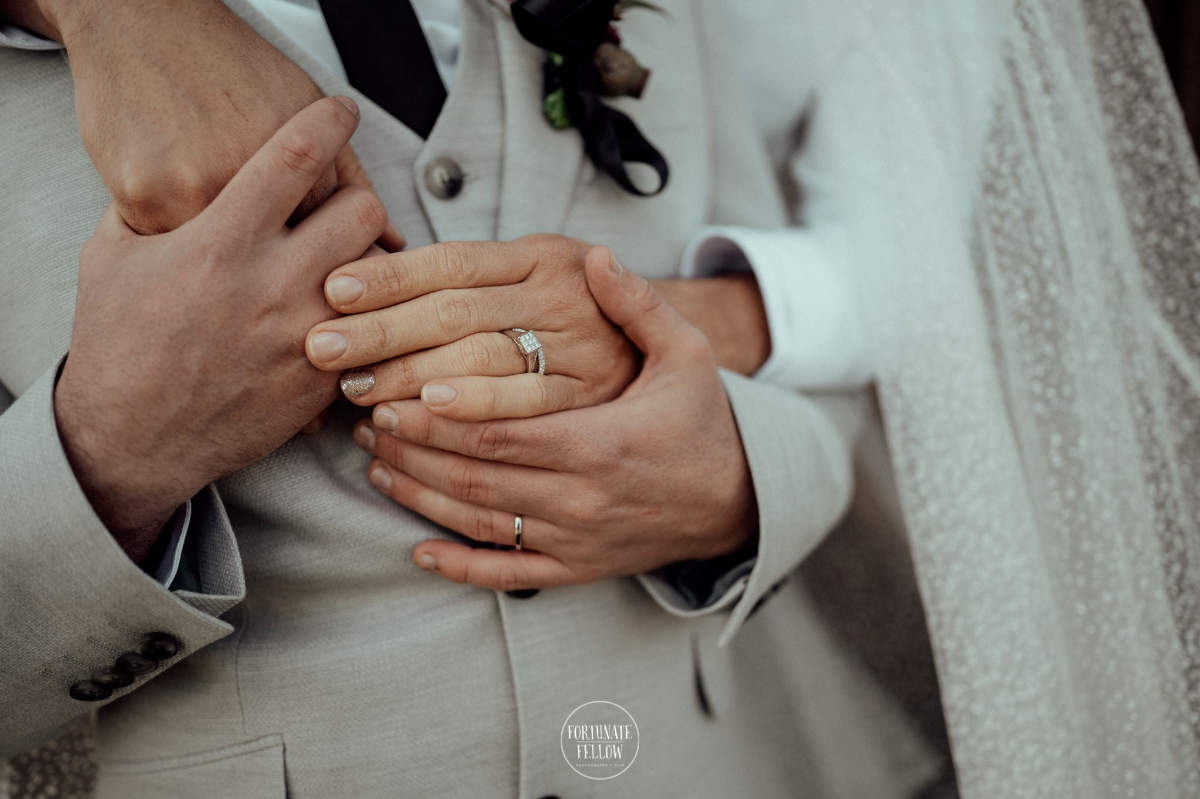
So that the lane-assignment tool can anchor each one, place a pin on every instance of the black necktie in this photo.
(386, 57)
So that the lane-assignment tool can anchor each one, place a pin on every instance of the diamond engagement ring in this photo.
(529, 347)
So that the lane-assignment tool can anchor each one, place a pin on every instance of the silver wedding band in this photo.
(518, 524)
(530, 348)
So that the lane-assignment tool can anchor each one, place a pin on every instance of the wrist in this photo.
(49, 18)
(729, 310)
(131, 496)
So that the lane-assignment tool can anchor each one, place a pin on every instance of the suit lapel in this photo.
(541, 165)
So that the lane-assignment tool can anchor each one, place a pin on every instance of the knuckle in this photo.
(597, 457)
(474, 355)
(585, 508)
(464, 483)
(376, 333)
(396, 280)
(444, 256)
(646, 298)
(423, 429)
(460, 573)
(301, 156)
(198, 186)
(141, 202)
(507, 579)
(551, 243)
(543, 397)
(407, 375)
(453, 314)
(552, 250)
(371, 214)
(452, 259)
(492, 441)
(480, 525)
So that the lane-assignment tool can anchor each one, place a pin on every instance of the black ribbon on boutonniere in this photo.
(585, 62)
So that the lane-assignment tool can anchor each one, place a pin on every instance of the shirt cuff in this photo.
(21, 39)
(817, 340)
(700, 587)
(168, 565)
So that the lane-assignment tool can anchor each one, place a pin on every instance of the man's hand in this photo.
(173, 97)
(656, 476)
(428, 321)
(187, 351)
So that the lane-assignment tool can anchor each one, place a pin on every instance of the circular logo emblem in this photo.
(600, 740)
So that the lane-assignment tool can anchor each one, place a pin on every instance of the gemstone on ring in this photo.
(530, 348)
(528, 342)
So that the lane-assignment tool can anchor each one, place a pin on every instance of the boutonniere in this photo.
(584, 63)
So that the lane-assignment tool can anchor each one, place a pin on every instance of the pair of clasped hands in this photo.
(199, 350)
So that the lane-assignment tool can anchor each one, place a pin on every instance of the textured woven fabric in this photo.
(1039, 344)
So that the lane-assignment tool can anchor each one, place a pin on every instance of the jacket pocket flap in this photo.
(251, 769)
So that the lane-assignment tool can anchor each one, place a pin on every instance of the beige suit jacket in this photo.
(316, 659)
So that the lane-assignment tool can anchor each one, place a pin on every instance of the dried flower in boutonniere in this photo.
(585, 62)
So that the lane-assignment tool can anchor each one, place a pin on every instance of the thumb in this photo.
(350, 172)
(631, 303)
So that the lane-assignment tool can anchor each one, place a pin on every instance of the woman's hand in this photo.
(429, 323)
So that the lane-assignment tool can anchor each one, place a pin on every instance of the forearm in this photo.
(729, 310)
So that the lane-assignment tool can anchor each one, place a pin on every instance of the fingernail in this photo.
(327, 346)
(438, 394)
(364, 436)
(386, 418)
(344, 289)
(615, 265)
(351, 106)
(427, 561)
(380, 477)
(357, 383)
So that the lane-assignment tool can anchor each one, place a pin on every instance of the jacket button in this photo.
(90, 691)
(133, 663)
(158, 646)
(113, 678)
(522, 593)
(444, 178)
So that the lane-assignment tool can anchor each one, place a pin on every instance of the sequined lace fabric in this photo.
(1040, 381)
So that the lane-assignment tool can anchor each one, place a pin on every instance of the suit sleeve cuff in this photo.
(800, 468)
(84, 602)
(21, 39)
(817, 342)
